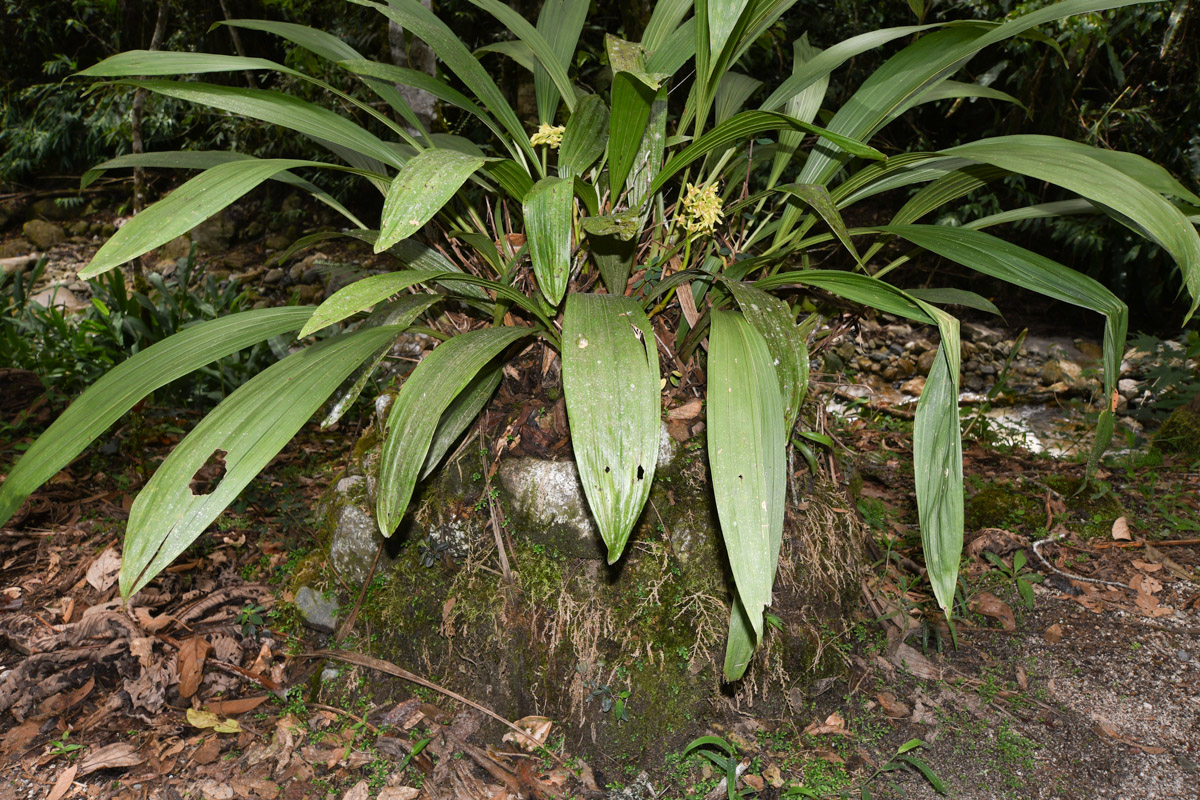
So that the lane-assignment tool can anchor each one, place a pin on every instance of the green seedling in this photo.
(723, 755)
(903, 758)
(1023, 578)
(64, 749)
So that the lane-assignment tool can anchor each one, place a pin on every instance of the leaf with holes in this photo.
(250, 427)
(611, 383)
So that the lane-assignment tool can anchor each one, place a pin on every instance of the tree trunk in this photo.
(414, 54)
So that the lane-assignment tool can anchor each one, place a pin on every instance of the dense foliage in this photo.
(719, 203)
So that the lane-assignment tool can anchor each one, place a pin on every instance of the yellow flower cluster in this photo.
(701, 208)
(549, 135)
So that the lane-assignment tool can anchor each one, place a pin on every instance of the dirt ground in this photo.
(209, 684)
(202, 685)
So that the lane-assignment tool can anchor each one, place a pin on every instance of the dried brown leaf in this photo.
(1053, 634)
(231, 708)
(102, 573)
(63, 783)
(113, 756)
(1120, 530)
(891, 706)
(190, 664)
(989, 605)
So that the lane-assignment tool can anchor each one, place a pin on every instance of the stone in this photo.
(43, 234)
(178, 248)
(79, 228)
(845, 349)
(925, 362)
(1059, 370)
(356, 539)
(296, 271)
(273, 276)
(976, 332)
(215, 234)
(107, 229)
(1128, 388)
(319, 610)
(549, 494)
(974, 383)
(1181, 431)
(308, 293)
(220, 275)
(277, 242)
(15, 247)
(913, 386)
(58, 296)
(51, 209)
(968, 350)
(255, 229)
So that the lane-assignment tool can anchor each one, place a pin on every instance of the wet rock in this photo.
(921, 345)
(255, 229)
(58, 296)
(845, 349)
(913, 386)
(879, 356)
(220, 274)
(1181, 432)
(273, 276)
(79, 228)
(319, 610)
(549, 495)
(308, 293)
(974, 383)
(107, 229)
(43, 234)
(896, 349)
(968, 350)
(355, 537)
(987, 369)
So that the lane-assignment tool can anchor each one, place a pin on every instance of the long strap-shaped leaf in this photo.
(772, 318)
(937, 463)
(751, 123)
(611, 384)
(1009, 262)
(127, 383)
(249, 427)
(185, 208)
(420, 189)
(548, 209)
(1078, 168)
(279, 109)
(204, 159)
(425, 395)
(746, 454)
(424, 24)
(361, 295)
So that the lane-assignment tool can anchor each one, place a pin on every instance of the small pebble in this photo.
(1184, 655)
(328, 674)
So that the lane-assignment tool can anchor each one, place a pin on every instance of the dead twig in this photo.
(388, 668)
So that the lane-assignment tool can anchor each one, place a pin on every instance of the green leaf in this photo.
(956, 297)
(817, 198)
(560, 22)
(249, 428)
(746, 441)
(632, 96)
(419, 406)
(401, 313)
(511, 176)
(279, 109)
(461, 413)
(1076, 168)
(204, 159)
(774, 320)
(748, 124)
(613, 240)
(732, 93)
(184, 209)
(664, 19)
(1000, 259)
(585, 138)
(610, 362)
(127, 383)
(937, 463)
(424, 24)
(419, 190)
(854, 287)
(955, 90)
(548, 210)
(648, 160)
(803, 106)
(547, 57)
(361, 295)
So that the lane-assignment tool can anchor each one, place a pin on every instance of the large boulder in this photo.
(43, 234)
(570, 633)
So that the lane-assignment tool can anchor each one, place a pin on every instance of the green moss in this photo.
(1180, 433)
(1091, 511)
(1003, 505)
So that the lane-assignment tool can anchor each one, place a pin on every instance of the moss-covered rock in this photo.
(1181, 432)
(570, 636)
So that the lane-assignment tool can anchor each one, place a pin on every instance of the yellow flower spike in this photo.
(548, 135)
(701, 208)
